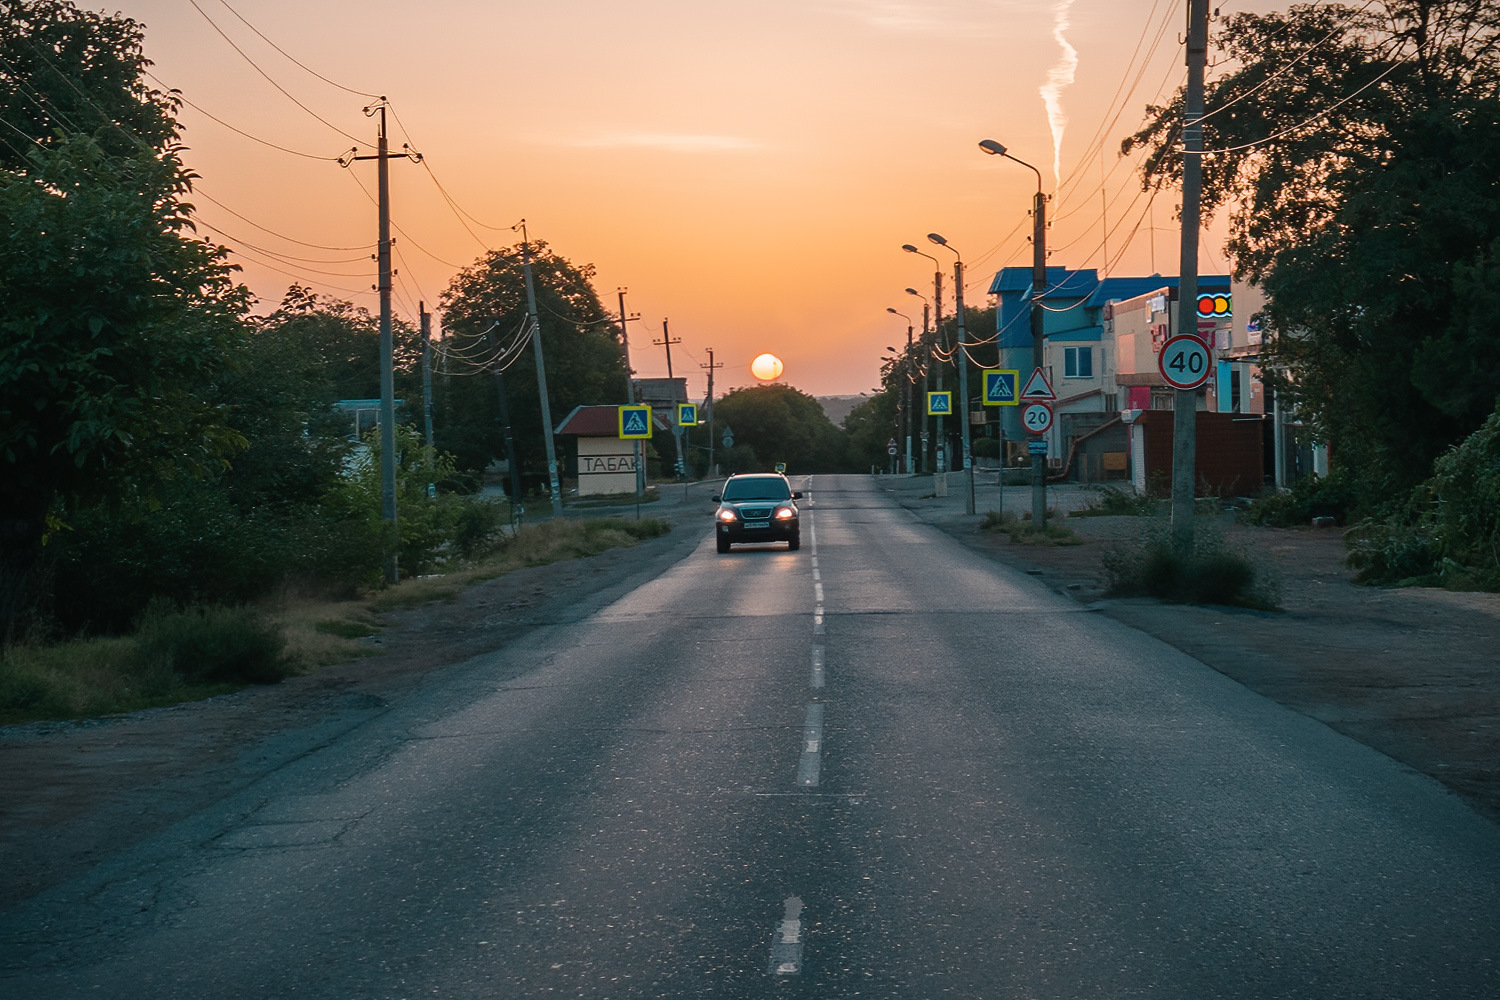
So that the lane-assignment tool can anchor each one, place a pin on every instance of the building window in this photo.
(1078, 362)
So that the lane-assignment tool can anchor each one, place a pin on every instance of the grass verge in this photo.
(1214, 572)
(186, 654)
(1023, 532)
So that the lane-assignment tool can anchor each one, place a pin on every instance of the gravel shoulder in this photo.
(1412, 673)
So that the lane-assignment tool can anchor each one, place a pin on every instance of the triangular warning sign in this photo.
(1037, 387)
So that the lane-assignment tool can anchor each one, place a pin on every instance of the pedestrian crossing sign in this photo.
(635, 422)
(939, 404)
(1000, 387)
(687, 414)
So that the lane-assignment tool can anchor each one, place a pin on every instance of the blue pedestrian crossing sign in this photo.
(687, 414)
(635, 422)
(939, 404)
(1000, 387)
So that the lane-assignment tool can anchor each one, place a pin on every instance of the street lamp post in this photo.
(926, 319)
(1038, 333)
(960, 358)
(905, 389)
(937, 328)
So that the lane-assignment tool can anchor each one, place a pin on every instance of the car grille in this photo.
(756, 513)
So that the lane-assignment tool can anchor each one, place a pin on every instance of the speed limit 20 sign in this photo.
(1184, 362)
(1036, 418)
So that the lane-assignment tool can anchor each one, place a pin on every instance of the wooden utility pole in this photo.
(708, 404)
(1185, 409)
(630, 393)
(390, 563)
(541, 374)
(426, 326)
(667, 342)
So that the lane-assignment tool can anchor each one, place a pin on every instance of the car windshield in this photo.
(757, 489)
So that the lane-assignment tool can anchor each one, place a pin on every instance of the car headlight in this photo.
(785, 513)
(726, 514)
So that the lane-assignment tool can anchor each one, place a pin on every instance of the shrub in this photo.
(1213, 573)
(1332, 496)
(210, 644)
(1022, 532)
(985, 447)
(1117, 500)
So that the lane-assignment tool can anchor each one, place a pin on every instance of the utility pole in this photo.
(1038, 341)
(708, 404)
(667, 342)
(541, 374)
(426, 325)
(517, 511)
(625, 318)
(922, 410)
(391, 565)
(1185, 408)
(938, 343)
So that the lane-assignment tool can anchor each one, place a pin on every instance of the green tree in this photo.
(484, 327)
(782, 424)
(1355, 148)
(115, 323)
(870, 426)
(68, 72)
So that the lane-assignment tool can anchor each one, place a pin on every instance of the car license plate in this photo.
(757, 524)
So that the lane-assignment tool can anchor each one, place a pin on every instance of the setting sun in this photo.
(766, 367)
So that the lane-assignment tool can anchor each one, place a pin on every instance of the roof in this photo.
(661, 390)
(1086, 283)
(598, 421)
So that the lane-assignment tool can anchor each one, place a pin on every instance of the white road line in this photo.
(786, 943)
(810, 764)
(817, 666)
(818, 593)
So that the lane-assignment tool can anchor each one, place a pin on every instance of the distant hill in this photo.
(838, 407)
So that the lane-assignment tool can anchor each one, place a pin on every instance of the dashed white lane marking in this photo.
(786, 944)
(817, 667)
(810, 764)
(818, 593)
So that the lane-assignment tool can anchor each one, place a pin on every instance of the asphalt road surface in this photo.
(880, 767)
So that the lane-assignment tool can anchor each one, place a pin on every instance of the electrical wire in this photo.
(407, 236)
(301, 243)
(254, 65)
(253, 138)
(289, 56)
(1283, 133)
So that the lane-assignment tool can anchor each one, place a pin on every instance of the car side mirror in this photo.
(716, 498)
(797, 495)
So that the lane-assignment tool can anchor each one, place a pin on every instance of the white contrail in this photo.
(1059, 77)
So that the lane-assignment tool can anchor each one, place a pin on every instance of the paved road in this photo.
(879, 767)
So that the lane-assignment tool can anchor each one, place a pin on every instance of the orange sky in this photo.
(748, 170)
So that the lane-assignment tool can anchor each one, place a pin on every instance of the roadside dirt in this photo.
(1412, 673)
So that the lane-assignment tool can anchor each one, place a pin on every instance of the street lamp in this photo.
(937, 326)
(906, 416)
(1038, 333)
(960, 358)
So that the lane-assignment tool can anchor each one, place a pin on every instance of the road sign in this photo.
(687, 414)
(1037, 387)
(1037, 447)
(939, 404)
(635, 422)
(781, 467)
(728, 438)
(1000, 387)
(1037, 417)
(1184, 362)
(890, 449)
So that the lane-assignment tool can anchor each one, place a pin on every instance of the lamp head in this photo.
(892, 309)
(934, 237)
(913, 291)
(909, 248)
(891, 349)
(992, 147)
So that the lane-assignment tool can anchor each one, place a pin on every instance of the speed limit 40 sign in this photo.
(1036, 418)
(1184, 362)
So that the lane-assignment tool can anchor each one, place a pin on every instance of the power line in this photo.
(278, 48)
(253, 138)
(254, 65)
(264, 229)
